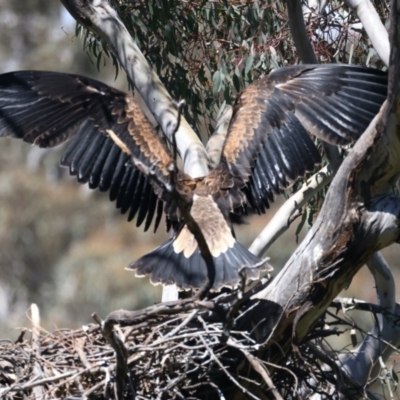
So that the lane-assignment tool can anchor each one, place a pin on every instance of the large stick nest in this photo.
(189, 349)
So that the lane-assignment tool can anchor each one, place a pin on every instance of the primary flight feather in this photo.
(267, 146)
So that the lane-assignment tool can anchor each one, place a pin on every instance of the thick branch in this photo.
(359, 217)
(373, 26)
(102, 19)
(384, 337)
(299, 32)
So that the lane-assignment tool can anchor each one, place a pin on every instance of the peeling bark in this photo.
(360, 216)
(358, 364)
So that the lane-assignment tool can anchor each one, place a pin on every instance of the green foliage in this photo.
(206, 52)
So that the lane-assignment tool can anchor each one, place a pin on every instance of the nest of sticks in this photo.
(189, 349)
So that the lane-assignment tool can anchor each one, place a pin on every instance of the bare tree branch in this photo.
(373, 26)
(299, 32)
(359, 217)
(358, 364)
(37, 390)
(282, 219)
(102, 19)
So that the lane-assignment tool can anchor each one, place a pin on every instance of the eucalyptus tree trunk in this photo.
(360, 216)
(370, 19)
(101, 18)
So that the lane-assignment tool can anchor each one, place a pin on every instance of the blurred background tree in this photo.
(61, 245)
(65, 247)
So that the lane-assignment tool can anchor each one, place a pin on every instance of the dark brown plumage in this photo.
(267, 143)
(267, 146)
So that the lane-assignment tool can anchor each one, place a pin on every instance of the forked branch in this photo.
(359, 217)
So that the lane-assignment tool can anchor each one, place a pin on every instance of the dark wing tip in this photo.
(269, 132)
(335, 102)
(48, 108)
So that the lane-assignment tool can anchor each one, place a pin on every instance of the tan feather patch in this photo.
(212, 223)
(146, 137)
(247, 117)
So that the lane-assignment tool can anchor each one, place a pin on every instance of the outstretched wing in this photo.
(267, 144)
(49, 108)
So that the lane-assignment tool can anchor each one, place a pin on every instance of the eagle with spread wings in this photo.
(266, 146)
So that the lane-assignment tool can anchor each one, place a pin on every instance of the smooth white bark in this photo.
(373, 26)
(216, 141)
(100, 17)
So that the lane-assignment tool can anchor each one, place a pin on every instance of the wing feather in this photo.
(95, 176)
(121, 170)
(48, 108)
(271, 183)
(88, 159)
(133, 190)
(108, 169)
(147, 205)
(151, 210)
(268, 136)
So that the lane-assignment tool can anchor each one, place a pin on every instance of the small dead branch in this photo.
(37, 390)
(184, 205)
(257, 365)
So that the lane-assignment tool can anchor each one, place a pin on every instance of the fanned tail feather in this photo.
(167, 267)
